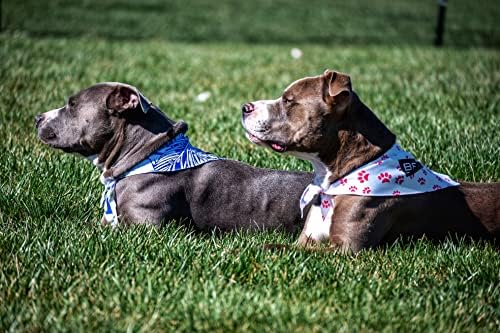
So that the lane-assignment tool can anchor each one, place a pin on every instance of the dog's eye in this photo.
(287, 100)
(71, 102)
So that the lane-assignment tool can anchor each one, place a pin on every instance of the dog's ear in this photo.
(338, 91)
(124, 97)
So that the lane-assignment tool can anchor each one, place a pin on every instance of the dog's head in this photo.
(87, 120)
(303, 118)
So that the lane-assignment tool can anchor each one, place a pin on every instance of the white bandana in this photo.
(177, 154)
(394, 173)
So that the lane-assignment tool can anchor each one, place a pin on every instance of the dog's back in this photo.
(229, 195)
(471, 210)
(483, 199)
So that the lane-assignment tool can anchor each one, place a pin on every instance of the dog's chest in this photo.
(317, 225)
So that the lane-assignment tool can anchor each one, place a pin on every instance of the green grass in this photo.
(329, 22)
(61, 271)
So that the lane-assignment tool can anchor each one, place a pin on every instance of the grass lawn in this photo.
(60, 270)
(330, 22)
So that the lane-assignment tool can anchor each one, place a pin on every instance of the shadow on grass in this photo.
(326, 22)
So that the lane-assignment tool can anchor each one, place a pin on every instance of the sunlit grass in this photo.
(60, 270)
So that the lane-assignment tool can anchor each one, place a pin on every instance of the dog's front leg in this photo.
(360, 222)
(316, 229)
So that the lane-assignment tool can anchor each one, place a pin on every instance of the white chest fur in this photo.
(315, 227)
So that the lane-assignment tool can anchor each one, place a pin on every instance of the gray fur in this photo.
(225, 195)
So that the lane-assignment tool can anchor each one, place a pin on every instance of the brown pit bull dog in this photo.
(152, 174)
(367, 190)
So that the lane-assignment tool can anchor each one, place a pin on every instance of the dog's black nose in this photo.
(248, 108)
(38, 119)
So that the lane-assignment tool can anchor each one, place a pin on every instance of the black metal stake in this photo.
(440, 22)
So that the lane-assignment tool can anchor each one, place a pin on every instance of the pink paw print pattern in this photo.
(384, 157)
(399, 180)
(396, 193)
(421, 181)
(325, 204)
(353, 189)
(424, 172)
(384, 177)
(436, 187)
(367, 190)
(439, 178)
(363, 176)
(343, 181)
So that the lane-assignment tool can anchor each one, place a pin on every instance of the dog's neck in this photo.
(359, 138)
(135, 138)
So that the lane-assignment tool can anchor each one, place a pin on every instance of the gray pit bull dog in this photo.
(321, 119)
(116, 127)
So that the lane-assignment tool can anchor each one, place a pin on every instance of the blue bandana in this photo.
(176, 155)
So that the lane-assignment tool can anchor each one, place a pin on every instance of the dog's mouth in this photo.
(278, 147)
(51, 141)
